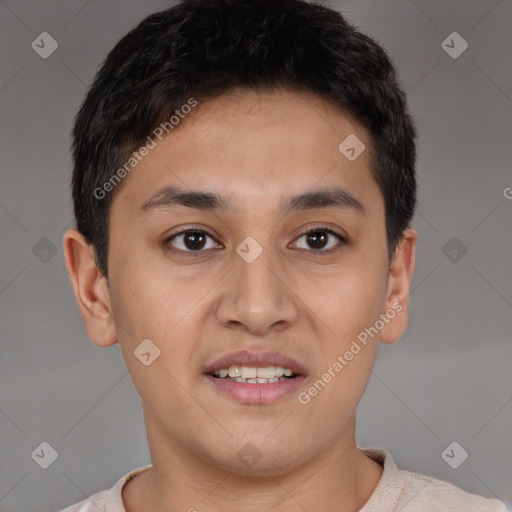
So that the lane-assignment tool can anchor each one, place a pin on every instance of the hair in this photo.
(206, 48)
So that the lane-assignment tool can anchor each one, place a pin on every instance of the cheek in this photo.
(143, 293)
(349, 308)
(153, 302)
(352, 300)
(156, 319)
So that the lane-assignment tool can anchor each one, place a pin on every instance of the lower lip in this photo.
(256, 393)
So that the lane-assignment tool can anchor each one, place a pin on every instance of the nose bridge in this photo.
(257, 278)
(257, 288)
(258, 297)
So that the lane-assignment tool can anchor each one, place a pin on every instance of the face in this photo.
(205, 276)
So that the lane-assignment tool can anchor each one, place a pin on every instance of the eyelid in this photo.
(326, 229)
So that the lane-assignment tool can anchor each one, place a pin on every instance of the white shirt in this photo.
(398, 490)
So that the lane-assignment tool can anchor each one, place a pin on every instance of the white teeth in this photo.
(248, 373)
(266, 373)
(253, 374)
(258, 381)
(234, 371)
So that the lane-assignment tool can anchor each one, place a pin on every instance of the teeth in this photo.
(254, 375)
(258, 381)
(265, 373)
(248, 373)
(234, 371)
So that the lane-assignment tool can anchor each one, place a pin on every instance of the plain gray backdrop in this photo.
(447, 380)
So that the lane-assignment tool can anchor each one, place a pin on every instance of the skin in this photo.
(256, 148)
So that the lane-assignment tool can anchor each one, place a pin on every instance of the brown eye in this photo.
(321, 240)
(190, 241)
(317, 240)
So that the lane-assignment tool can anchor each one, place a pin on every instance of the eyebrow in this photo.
(171, 196)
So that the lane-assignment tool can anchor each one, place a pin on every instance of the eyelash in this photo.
(324, 229)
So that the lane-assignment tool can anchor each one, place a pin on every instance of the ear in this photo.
(91, 288)
(400, 275)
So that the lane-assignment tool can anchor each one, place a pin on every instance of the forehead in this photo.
(254, 147)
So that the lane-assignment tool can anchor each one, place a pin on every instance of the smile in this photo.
(254, 375)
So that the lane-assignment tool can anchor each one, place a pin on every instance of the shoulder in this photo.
(95, 503)
(405, 491)
(421, 492)
(108, 500)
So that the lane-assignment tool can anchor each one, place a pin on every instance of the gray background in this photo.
(448, 379)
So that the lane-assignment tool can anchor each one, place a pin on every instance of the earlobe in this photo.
(400, 276)
(91, 290)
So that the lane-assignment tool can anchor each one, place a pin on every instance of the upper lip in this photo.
(255, 359)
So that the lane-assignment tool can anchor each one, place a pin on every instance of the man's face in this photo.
(197, 298)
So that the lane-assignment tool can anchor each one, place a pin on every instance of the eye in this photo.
(195, 240)
(318, 239)
(191, 240)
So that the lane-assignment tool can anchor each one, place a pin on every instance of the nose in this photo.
(259, 299)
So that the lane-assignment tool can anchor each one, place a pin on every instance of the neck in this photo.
(340, 478)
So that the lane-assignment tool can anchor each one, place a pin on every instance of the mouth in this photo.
(255, 378)
(254, 374)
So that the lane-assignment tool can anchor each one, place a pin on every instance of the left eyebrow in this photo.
(325, 198)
